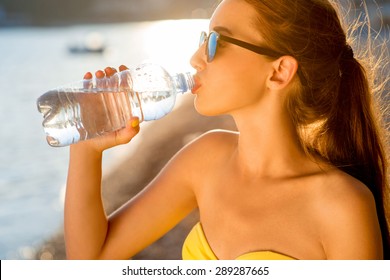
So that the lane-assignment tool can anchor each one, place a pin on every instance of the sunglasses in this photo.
(212, 45)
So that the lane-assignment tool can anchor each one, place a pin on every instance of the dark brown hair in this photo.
(334, 108)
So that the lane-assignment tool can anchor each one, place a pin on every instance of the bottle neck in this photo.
(184, 82)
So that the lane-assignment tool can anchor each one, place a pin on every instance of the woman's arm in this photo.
(86, 223)
(90, 234)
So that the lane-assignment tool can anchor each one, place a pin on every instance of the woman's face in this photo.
(235, 79)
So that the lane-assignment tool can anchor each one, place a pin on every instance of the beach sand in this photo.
(160, 141)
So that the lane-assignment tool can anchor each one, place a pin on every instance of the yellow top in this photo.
(196, 247)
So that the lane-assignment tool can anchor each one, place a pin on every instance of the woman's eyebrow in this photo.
(222, 29)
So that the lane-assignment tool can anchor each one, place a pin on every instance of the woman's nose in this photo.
(198, 61)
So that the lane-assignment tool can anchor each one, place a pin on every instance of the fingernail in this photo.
(123, 68)
(107, 70)
(110, 71)
(99, 74)
(135, 123)
(88, 76)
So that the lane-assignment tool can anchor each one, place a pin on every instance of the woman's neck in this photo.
(268, 144)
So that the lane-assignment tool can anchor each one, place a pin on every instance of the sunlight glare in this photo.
(171, 43)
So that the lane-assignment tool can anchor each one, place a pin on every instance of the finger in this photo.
(113, 79)
(88, 76)
(134, 122)
(125, 77)
(87, 81)
(123, 68)
(100, 74)
(124, 136)
(109, 71)
(100, 79)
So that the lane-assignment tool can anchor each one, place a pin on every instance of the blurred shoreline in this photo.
(47, 13)
(72, 12)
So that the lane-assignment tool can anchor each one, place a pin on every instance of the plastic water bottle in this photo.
(91, 108)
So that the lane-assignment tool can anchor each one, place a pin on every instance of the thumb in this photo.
(124, 136)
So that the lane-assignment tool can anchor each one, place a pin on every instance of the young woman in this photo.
(303, 178)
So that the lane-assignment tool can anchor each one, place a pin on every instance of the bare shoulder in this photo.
(217, 136)
(338, 186)
(197, 158)
(211, 144)
(348, 222)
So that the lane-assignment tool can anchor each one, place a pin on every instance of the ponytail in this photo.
(354, 140)
(348, 134)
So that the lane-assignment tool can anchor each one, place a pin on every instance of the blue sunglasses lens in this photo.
(203, 38)
(212, 46)
(212, 42)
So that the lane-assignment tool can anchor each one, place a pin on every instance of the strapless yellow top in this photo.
(196, 247)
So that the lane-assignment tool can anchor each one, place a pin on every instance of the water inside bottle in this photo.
(156, 104)
(74, 115)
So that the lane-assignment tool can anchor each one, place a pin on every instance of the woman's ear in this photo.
(284, 69)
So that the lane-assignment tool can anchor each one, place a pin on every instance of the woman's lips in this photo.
(196, 86)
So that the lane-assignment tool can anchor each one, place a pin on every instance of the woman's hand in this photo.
(106, 78)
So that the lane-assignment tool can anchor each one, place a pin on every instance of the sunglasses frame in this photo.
(204, 38)
(242, 44)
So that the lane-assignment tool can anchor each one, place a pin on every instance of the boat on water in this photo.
(92, 43)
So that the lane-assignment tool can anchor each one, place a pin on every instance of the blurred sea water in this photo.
(34, 60)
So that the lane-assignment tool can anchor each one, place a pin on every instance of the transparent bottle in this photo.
(92, 108)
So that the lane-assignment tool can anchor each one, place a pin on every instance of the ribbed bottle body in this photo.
(92, 108)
